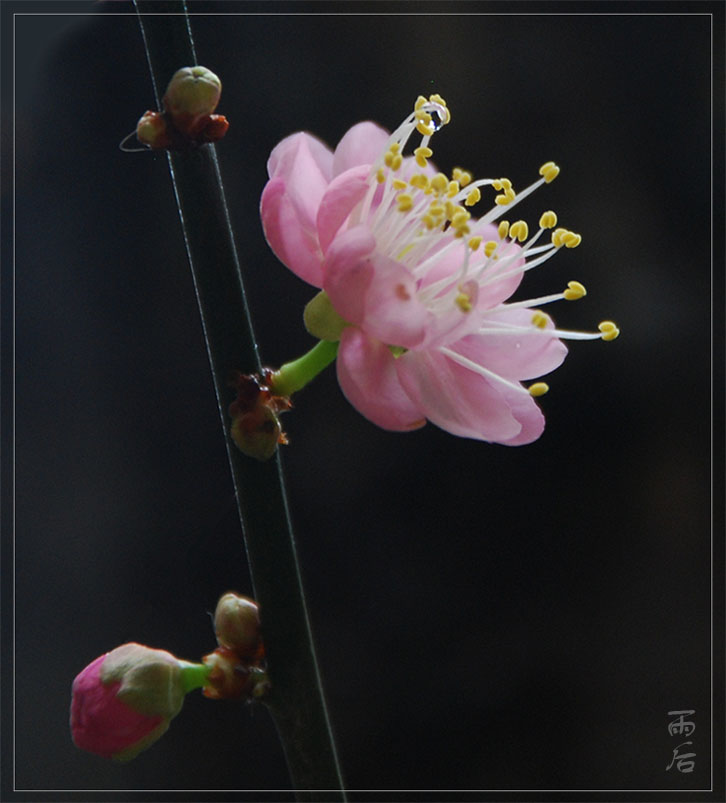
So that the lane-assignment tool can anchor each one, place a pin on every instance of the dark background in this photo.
(487, 618)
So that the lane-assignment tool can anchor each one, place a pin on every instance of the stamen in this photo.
(519, 231)
(539, 319)
(549, 171)
(422, 154)
(609, 330)
(464, 177)
(473, 197)
(574, 291)
(538, 389)
(548, 220)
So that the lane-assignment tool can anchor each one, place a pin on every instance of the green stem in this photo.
(194, 676)
(296, 374)
(296, 698)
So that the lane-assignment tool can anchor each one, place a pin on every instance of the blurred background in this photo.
(486, 618)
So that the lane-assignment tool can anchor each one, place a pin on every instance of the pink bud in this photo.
(124, 700)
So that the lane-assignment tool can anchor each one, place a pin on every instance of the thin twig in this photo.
(296, 699)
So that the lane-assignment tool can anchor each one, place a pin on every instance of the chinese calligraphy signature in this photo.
(678, 726)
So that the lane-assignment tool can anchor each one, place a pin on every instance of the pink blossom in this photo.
(421, 285)
(124, 700)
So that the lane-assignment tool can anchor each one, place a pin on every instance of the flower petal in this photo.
(367, 377)
(524, 408)
(456, 399)
(393, 311)
(527, 355)
(293, 241)
(283, 160)
(361, 145)
(343, 193)
(348, 272)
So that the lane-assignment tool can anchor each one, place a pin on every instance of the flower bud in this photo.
(231, 678)
(214, 129)
(257, 433)
(192, 94)
(152, 130)
(124, 700)
(237, 625)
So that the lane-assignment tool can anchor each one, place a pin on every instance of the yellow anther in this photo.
(475, 242)
(464, 177)
(388, 158)
(571, 240)
(420, 101)
(473, 197)
(447, 114)
(453, 189)
(549, 171)
(419, 181)
(422, 154)
(574, 291)
(405, 202)
(399, 184)
(519, 231)
(460, 218)
(429, 222)
(380, 176)
(505, 198)
(463, 302)
(490, 248)
(437, 208)
(609, 330)
(451, 209)
(440, 183)
(548, 220)
(423, 117)
(462, 231)
(557, 236)
(539, 319)
(395, 147)
(425, 130)
(397, 161)
(538, 389)
(503, 229)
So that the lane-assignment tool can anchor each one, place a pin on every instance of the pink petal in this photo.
(348, 272)
(283, 159)
(367, 376)
(524, 408)
(393, 312)
(343, 193)
(100, 722)
(361, 145)
(527, 355)
(493, 290)
(456, 399)
(293, 241)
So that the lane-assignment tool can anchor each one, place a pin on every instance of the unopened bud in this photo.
(192, 94)
(257, 433)
(124, 700)
(237, 625)
(152, 130)
(231, 678)
(215, 128)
